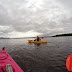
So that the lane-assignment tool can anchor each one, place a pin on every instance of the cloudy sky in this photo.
(25, 18)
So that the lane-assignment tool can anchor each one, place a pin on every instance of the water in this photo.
(50, 57)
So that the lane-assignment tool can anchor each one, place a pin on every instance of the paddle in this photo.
(69, 63)
(42, 37)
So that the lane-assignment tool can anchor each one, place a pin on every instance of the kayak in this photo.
(31, 41)
(7, 64)
(69, 63)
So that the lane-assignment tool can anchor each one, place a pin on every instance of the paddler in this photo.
(37, 39)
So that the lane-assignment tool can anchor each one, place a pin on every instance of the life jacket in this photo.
(38, 39)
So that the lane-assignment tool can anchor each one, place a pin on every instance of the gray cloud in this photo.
(42, 16)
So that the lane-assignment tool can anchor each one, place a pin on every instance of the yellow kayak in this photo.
(31, 41)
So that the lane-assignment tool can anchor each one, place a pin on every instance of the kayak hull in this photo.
(30, 41)
(69, 63)
(5, 59)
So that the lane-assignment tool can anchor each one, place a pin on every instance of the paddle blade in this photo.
(42, 37)
(69, 63)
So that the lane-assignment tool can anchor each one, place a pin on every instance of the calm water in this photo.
(50, 57)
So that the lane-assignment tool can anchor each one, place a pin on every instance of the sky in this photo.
(29, 18)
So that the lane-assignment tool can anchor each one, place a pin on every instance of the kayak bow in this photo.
(5, 59)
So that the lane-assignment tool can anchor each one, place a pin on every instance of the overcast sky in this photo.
(23, 18)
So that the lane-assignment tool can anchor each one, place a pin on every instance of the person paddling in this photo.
(37, 39)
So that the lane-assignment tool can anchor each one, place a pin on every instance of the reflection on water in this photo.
(38, 44)
(50, 57)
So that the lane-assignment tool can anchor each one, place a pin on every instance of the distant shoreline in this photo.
(17, 38)
(59, 35)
